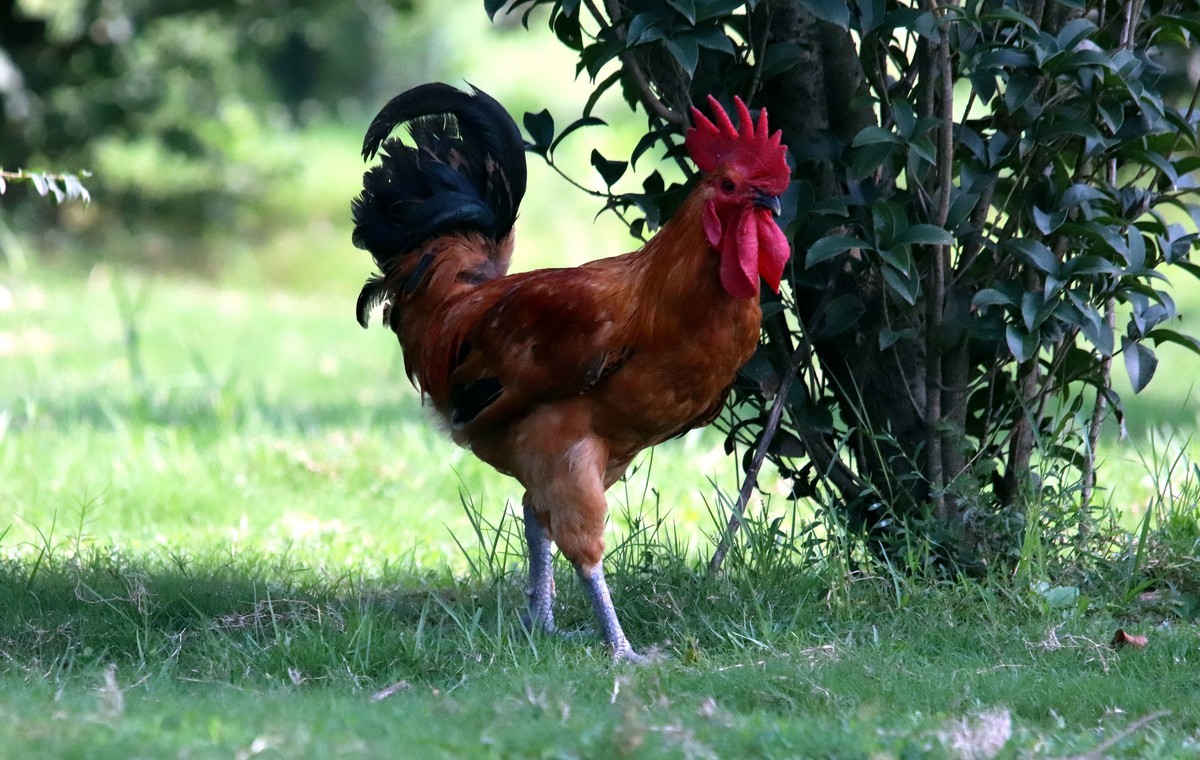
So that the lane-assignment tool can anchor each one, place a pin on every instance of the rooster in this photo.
(559, 377)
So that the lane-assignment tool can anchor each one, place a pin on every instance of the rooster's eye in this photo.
(728, 186)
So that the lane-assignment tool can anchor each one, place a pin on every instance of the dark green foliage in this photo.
(987, 199)
(160, 99)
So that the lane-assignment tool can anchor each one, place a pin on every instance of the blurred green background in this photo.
(194, 324)
(180, 364)
(223, 137)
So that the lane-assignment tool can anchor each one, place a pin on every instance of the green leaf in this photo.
(643, 28)
(540, 127)
(686, 8)
(992, 297)
(872, 13)
(599, 90)
(1009, 14)
(922, 148)
(1073, 31)
(899, 258)
(1162, 335)
(887, 219)
(923, 234)
(1047, 222)
(566, 28)
(1057, 597)
(834, 11)
(492, 7)
(960, 208)
(1088, 263)
(685, 51)
(1140, 363)
(1077, 195)
(1031, 310)
(1023, 345)
(1179, 246)
(710, 9)
(984, 84)
(1136, 260)
(841, 314)
(1097, 331)
(779, 58)
(1034, 253)
(873, 134)
(715, 38)
(595, 56)
(586, 121)
(1019, 89)
(888, 337)
(828, 247)
(610, 171)
(1003, 59)
(867, 159)
(906, 286)
(648, 141)
(906, 118)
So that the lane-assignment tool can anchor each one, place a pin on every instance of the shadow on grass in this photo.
(254, 621)
(233, 619)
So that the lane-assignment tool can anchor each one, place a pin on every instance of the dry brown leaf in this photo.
(1122, 639)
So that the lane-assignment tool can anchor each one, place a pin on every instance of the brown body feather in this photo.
(560, 377)
(593, 363)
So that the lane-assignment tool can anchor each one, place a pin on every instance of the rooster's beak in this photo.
(768, 202)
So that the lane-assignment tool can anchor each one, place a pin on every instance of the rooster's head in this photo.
(746, 172)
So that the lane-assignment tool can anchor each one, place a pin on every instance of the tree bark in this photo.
(882, 391)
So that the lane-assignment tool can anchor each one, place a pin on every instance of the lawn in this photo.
(234, 532)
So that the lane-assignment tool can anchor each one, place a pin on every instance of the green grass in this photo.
(236, 654)
(232, 530)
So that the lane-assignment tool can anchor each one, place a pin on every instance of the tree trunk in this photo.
(883, 390)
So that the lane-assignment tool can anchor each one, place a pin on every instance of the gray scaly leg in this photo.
(541, 574)
(610, 628)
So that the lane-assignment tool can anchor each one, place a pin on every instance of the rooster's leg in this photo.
(541, 573)
(610, 628)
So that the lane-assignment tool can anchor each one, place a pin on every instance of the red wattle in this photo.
(773, 248)
(753, 247)
(739, 258)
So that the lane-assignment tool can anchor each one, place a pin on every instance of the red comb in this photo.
(712, 144)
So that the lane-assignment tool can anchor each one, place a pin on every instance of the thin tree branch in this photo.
(764, 443)
(1099, 412)
(935, 298)
(650, 99)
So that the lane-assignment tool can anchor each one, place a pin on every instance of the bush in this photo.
(985, 200)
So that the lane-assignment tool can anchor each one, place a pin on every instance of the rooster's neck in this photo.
(680, 273)
(679, 262)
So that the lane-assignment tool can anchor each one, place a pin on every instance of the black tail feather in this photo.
(374, 292)
(466, 171)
